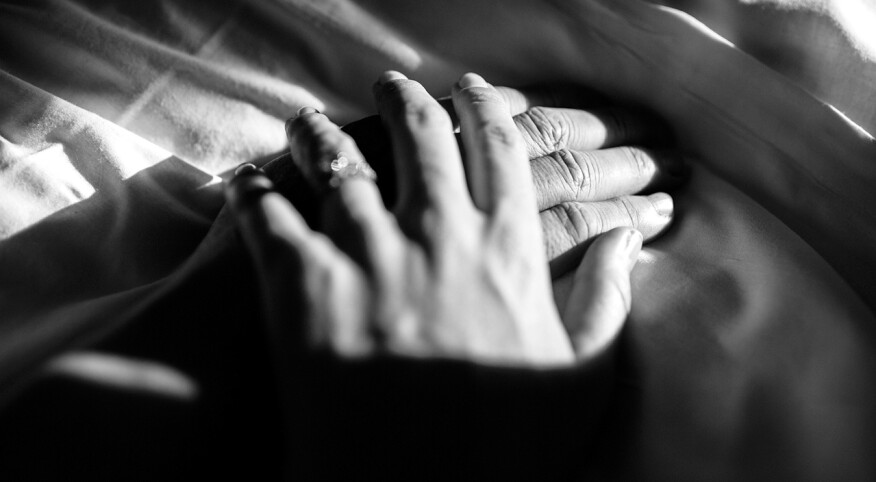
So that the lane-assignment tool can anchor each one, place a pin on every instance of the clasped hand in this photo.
(457, 268)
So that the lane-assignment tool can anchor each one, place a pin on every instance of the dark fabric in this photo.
(749, 351)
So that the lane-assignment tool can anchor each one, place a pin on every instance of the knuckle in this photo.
(591, 174)
(628, 212)
(551, 127)
(578, 224)
(529, 128)
(575, 179)
(639, 160)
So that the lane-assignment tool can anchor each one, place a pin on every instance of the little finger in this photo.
(569, 175)
(569, 227)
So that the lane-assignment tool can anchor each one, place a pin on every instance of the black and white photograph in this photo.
(536, 240)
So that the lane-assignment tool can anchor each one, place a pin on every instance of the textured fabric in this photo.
(749, 351)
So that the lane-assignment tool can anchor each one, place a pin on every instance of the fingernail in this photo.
(304, 110)
(390, 75)
(245, 168)
(662, 204)
(246, 185)
(634, 245)
(472, 80)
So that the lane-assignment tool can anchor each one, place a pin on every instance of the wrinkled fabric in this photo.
(749, 350)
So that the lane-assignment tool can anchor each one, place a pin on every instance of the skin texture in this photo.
(594, 166)
(442, 274)
(442, 296)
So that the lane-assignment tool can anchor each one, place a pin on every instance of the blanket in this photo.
(749, 349)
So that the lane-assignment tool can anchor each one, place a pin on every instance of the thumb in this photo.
(600, 300)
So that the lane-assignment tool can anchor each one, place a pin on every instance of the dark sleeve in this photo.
(402, 419)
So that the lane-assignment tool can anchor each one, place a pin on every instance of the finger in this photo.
(356, 220)
(374, 143)
(568, 175)
(521, 100)
(281, 246)
(495, 155)
(309, 287)
(569, 227)
(319, 147)
(428, 162)
(601, 296)
(547, 129)
(268, 223)
(353, 215)
(562, 176)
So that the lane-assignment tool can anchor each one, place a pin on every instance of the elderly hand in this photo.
(456, 270)
(589, 165)
(445, 273)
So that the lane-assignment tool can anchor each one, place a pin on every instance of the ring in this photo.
(342, 168)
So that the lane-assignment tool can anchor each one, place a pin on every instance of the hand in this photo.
(445, 274)
(587, 163)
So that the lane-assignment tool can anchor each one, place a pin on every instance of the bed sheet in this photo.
(749, 352)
